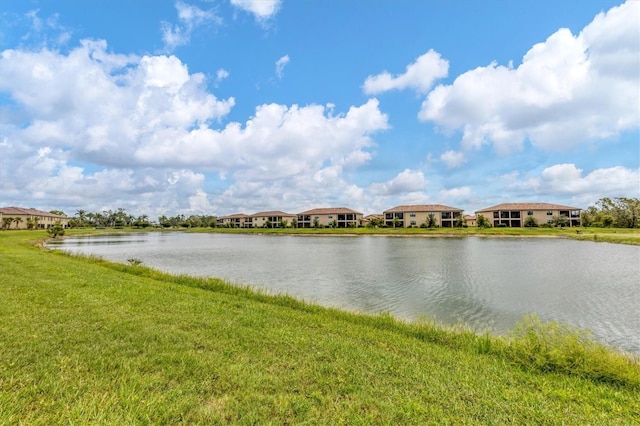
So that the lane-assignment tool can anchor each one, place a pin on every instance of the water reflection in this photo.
(486, 283)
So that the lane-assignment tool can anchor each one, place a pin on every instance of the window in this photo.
(504, 215)
(413, 223)
(530, 213)
(330, 216)
(412, 214)
(446, 215)
(496, 215)
(549, 213)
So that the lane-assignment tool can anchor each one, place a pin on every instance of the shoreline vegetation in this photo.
(84, 340)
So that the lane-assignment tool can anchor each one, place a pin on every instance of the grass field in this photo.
(85, 341)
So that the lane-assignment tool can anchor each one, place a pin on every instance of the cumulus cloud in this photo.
(453, 159)
(419, 76)
(262, 10)
(190, 17)
(138, 123)
(280, 64)
(456, 194)
(405, 182)
(568, 89)
(569, 179)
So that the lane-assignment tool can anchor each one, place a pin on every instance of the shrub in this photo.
(554, 347)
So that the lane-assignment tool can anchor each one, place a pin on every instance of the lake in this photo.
(487, 284)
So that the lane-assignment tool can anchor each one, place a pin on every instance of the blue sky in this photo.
(218, 107)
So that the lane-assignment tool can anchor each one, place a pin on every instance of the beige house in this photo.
(470, 220)
(415, 215)
(238, 220)
(30, 219)
(514, 215)
(272, 219)
(339, 217)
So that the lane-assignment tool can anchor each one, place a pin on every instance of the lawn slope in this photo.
(87, 341)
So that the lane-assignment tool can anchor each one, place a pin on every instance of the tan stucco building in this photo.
(271, 218)
(470, 220)
(238, 220)
(341, 217)
(514, 215)
(415, 215)
(30, 218)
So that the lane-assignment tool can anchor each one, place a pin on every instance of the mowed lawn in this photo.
(84, 341)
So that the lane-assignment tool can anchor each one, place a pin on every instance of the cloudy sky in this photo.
(218, 107)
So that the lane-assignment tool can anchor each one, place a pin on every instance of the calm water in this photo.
(486, 283)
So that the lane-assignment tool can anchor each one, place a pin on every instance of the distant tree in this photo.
(316, 223)
(284, 223)
(483, 222)
(56, 230)
(559, 221)
(397, 223)
(58, 212)
(6, 222)
(294, 223)
(530, 222)
(431, 221)
(32, 222)
(17, 220)
(460, 222)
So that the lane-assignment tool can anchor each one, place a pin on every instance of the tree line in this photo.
(619, 212)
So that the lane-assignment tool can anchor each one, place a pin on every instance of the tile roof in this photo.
(330, 210)
(273, 213)
(234, 216)
(422, 208)
(527, 206)
(9, 211)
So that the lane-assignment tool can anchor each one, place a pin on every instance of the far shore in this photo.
(608, 235)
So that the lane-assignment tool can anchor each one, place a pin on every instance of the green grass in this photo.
(85, 341)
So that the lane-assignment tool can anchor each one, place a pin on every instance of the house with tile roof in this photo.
(514, 215)
(339, 217)
(237, 220)
(272, 219)
(410, 216)
(24, 218)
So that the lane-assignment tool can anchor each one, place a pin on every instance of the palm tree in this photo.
(17, 220)
(6, 222)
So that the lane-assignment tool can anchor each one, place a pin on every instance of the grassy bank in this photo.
(88, 341)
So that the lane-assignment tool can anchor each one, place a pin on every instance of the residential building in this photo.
(30, 218)
(238, 220)
(411, 216)
(272, 219)
(514, 215)
(470, 220)
(339, 217)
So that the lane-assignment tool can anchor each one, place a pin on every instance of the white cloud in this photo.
(221, 74)
(455, 194)
(453, 159)
(405, 182)
(568, 90)
(262, 10)
(568, 179)
(190, 17)
(137, 123)
(280, 64)
(420, 75)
